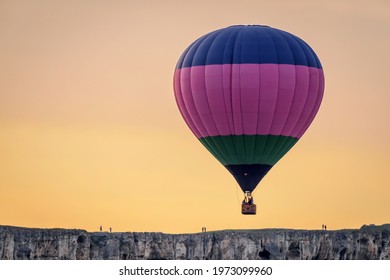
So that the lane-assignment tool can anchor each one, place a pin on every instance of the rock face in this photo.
(367, 243)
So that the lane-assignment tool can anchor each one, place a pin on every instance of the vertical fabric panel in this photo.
(316, 107)
(186, 90)
(287, 87)
(227, 94)
(269, 86)
(215, 96)
(299, 99)
(181, 105)
(198, 86)
(249, 81)
(310, 100)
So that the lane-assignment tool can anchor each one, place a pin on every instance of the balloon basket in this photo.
(248, 209)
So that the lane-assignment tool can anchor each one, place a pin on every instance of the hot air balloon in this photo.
(248, 93)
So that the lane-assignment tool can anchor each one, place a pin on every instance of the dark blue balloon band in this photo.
(248, 44)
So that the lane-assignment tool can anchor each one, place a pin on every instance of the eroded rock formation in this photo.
(369, 242)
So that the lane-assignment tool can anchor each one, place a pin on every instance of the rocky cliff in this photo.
(368, 242)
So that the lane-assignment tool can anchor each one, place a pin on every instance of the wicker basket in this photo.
(248, 209)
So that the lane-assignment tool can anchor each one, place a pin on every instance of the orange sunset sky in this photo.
(90, 133)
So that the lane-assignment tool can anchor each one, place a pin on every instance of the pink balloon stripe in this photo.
(277, 99)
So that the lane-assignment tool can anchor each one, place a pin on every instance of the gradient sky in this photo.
(90, 133)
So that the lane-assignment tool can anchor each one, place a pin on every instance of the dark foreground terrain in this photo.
(367, 243)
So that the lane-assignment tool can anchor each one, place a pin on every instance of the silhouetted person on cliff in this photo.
(101, 228)
(325, 227)
(110, 229)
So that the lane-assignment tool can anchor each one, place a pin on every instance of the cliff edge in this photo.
(367, 243)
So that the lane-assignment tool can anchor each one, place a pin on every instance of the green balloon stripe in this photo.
(248, 149)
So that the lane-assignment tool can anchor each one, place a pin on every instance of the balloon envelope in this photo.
(248, 93)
